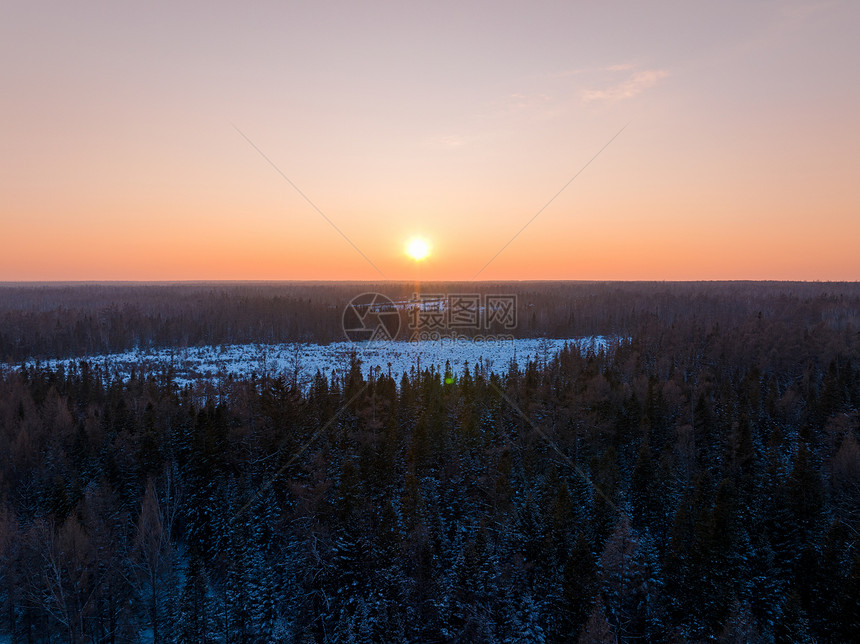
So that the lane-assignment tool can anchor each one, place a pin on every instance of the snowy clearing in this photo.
(302, 360)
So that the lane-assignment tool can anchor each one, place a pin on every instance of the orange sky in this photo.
(455, 121)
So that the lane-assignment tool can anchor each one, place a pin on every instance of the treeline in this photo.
(698, 482)
(66, 320)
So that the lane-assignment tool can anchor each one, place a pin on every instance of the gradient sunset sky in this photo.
(123, 155)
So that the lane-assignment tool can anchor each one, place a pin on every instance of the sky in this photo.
(311, 140)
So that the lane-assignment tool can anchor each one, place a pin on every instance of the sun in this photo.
(418, 248)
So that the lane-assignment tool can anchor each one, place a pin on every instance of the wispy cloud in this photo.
(801, 12)
(632, 86)
(623, 67)
(543, 99)
(566, 73)
(520, 101)
(447, 141)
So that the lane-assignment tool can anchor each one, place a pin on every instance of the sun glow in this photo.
(418, 248)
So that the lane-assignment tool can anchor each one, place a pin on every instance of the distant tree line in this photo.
(67, 321)
(699, 481)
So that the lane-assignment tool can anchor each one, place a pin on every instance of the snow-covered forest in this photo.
(697, 480)
(206, 368)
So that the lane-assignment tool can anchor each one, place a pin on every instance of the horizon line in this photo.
(424, 281)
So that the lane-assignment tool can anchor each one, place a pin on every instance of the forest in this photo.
(696, 481)
(59, 320)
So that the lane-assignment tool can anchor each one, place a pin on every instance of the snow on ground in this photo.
(302, 360)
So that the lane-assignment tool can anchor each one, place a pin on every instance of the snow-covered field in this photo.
(303, 360)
